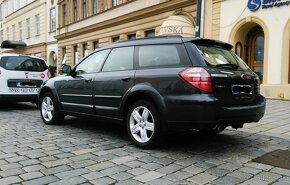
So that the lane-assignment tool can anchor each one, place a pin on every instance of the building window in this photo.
(7, 33)
(76, 54)
(20, 30)
(1, 36)
(116, 39)
(115, 3)
(85, 50)
(28, 27)
(13, 32)
(95, 6)
(131, 36)
(150, 33)
(52, 20)
(63, 56)
(84, 8)
(64, 21)
(75, 6)
(37, 24)
(96, 45)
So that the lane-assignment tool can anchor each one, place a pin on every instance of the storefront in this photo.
(260, 33)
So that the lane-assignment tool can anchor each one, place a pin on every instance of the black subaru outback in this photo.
(153, 84)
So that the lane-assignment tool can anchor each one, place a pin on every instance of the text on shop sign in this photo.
(255, 5)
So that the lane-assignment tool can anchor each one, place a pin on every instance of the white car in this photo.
(21, 77)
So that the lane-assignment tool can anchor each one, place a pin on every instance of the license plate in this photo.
(24, 90)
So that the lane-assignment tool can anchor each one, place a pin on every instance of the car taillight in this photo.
(197, 77)
(42, 75)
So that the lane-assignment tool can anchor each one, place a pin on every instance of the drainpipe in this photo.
(199, 18)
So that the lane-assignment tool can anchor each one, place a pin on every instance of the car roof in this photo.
(17, 55)
(167, 40)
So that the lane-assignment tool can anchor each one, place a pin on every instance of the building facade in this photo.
(30, 21)
(84, 25)
(260, 32)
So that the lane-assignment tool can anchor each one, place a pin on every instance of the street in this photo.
(85, 151)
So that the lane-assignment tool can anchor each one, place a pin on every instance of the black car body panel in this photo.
(234, 99)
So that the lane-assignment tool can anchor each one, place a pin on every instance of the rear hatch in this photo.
(22, 74)
(233, 83)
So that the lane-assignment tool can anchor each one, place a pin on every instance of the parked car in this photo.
(154, 84)
(21, 77)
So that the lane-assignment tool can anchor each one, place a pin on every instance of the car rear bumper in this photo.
(206, 112)
(19, 97)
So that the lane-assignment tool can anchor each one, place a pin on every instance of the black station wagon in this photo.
(154, 84)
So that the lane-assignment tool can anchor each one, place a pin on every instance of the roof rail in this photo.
(145, 38)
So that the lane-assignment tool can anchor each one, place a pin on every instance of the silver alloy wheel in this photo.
(47, 109)
(141, 124)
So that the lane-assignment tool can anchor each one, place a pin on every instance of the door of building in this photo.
(256, 52)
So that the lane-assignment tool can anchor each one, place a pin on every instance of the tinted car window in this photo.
(120, 59)
(162, 55)
(92, 63)
(22, 63)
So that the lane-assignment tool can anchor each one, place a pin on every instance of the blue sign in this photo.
(255, 5)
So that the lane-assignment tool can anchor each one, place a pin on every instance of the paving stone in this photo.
(230, 166)
(194, 170)
(115, 169)
(129, 182)
(160, 181)
(227, 180)
(284, 180)
(151, 166)
(202, 178)
(55, 163)
(29, 162)
(82, 157)
(268, 177)
(93, 175)
(11, 172)
(70, 181)
(178, 176)
(54, 170)
(83, 151)
(81, 164)
(71, 173)
(241, 175)
(31, 175)
(41, 180)
(134, 164)
(260, 166)
(281, 171)
(121, 176)
(16, 159)
(124, 159)
(10, 166)
(101, 166)
(10, 180)
(137, 171)
(250, 170)
(33, 168)
(149, 176)
(103, 181)
(219, 172)
(169, 169)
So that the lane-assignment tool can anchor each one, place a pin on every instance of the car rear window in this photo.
(22, 63)
(162, 55)
(218, 56)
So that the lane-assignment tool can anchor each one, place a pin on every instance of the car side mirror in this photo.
(66, 69)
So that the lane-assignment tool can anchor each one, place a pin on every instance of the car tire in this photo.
(143, 124)
(214, 130)
(49, 111)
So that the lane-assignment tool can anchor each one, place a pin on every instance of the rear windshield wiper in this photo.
(232, 66)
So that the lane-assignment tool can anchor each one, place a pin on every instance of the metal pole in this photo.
(198, 18)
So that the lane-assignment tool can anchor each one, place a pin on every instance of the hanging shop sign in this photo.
(255, 5)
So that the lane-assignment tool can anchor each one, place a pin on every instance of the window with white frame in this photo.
(13, 32)
(20, 30)
(28, 27)
(95, 6)
(7, 33)
(52, 20)
(84, 8)
(115, 3)
(37, 24)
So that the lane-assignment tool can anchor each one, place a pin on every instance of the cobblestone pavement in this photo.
(83, 152)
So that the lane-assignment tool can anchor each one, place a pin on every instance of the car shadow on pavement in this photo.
(190, 140)
(8, 106)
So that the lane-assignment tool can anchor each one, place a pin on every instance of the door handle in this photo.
(88, 80)
(126, 79)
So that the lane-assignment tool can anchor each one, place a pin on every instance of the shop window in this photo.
(150, 33)
(131, 36)
(96, 45)
(76, 54)
(85, 50)
(239, 49)
(116, 39)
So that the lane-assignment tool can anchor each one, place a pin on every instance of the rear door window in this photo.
(120, 59)
(162, 56)
(22, 63)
